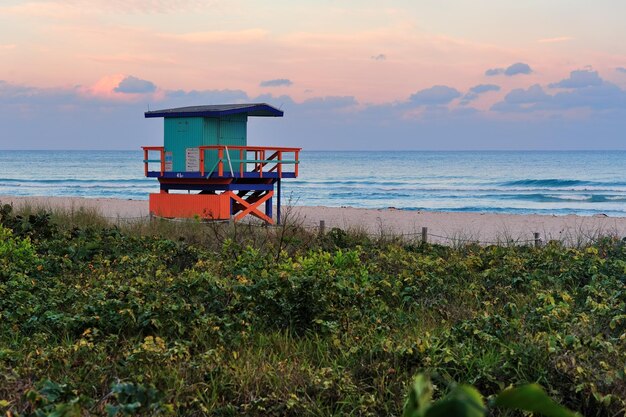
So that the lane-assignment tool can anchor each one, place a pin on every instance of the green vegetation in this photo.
(164, 318)
(465, 401)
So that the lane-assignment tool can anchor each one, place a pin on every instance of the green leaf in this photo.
(531, 398)
(461, 401)
(111, 410)
(454, 407)
(419, 397)
(472, 398)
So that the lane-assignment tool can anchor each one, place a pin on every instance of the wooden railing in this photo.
(257, 155)
(147, 160)
(260, 159)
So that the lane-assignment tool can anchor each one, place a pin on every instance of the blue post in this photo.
(278, 201)
(268, 207)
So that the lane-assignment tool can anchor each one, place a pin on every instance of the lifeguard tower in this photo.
(206, 153)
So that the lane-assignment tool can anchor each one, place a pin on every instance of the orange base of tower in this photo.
(205, 206)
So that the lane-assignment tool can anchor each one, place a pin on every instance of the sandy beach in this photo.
(442, 226)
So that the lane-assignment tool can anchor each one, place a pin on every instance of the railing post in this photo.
(220, 165)
(297, 164)
(145, 164)
(241, 168)
(278, 201)
(280, 164)
(261, 164)
(201, 157)
(162, 160)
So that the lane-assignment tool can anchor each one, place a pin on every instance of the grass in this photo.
(103, 317)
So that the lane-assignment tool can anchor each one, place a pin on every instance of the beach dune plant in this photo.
(465, 401)
(167, 319)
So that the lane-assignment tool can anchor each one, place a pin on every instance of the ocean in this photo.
(552, 182)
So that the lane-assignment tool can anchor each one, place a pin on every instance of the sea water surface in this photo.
(555, 182)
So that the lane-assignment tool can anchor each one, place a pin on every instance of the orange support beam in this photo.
(251, 208)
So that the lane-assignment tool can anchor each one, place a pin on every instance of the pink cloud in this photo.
(333, 61)
(105, 86)
(222, 37)
(556, 40)
(76, 8)
(108, 87)
(134, 59)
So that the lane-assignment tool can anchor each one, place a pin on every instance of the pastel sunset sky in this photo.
(354, 74)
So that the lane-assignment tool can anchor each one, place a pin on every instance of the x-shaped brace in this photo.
(252, 208)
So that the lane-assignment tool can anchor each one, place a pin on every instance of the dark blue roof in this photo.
(217, 110)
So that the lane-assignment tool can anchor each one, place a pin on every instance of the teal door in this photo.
(211, 128)
(232, 132)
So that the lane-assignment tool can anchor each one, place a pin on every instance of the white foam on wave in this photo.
(571, 197)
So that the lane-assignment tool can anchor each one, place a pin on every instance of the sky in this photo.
(351, 74)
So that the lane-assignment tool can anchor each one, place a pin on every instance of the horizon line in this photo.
(345, 150)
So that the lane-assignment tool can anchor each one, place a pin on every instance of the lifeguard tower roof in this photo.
(219, 110)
